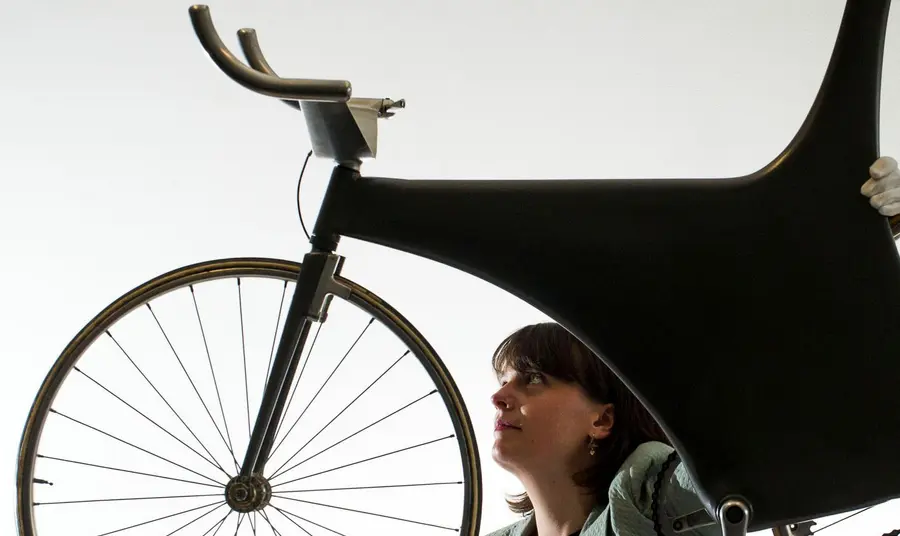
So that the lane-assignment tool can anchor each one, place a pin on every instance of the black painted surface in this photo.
(758, 317)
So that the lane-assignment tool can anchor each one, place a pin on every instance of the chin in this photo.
(500, 456)
(504, 458)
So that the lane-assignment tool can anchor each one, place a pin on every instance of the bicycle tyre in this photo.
(245, 267)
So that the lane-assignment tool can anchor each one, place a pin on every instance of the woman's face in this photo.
(543, 423)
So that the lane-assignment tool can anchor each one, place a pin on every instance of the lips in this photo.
(500, 424)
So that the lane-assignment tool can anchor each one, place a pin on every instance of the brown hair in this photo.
(550, 349)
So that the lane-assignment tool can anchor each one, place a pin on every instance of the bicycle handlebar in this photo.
(260, 82)
(256, 59)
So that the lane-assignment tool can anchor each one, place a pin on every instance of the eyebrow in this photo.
(507, 372)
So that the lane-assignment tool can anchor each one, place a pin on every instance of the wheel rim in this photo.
(156, 291)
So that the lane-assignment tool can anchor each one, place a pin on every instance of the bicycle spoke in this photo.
(238, 527)
(217, 485)
(149, 419)
(298, 464)
(160, 518)
(198, 518)
(294, 522)
(253, 523)
(371, 320)
(166, 402)
(197, 392)
(310, 440)
(217, 525)
(282, 511)
(345, 509)
(215, 382)
(271, 526)
(844, 519)
(423, 484)
(129, 499)
(404, 449)
(134, 446)
(296, 384)
(275, 335)
(244, 353)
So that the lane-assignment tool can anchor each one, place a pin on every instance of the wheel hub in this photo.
(248, 493)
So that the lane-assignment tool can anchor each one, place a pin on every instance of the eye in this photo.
(533, 378)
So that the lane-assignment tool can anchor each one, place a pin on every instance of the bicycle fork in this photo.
(316, 285)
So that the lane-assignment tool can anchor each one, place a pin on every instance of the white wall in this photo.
(125, 153)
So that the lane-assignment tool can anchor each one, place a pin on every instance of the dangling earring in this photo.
(592, 446)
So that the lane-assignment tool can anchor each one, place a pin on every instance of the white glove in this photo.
(883, 186)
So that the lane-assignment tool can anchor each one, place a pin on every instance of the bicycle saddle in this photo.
(757, 317)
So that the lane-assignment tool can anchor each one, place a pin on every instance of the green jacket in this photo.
(628, 510)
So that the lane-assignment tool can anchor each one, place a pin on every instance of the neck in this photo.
(560, 506)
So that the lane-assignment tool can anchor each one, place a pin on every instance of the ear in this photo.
(604, 419)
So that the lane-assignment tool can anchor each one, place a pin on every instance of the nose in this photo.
(501, 399)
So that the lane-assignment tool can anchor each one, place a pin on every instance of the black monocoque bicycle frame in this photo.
(756, 317)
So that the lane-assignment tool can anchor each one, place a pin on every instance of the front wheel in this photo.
(140, 424)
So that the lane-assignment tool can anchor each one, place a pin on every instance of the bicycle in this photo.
(644, 272)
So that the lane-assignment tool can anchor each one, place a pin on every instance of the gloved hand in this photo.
(883, 186)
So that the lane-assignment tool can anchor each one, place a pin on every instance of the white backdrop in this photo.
(125, 153)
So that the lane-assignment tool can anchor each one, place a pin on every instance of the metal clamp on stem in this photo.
(327, 286)
(341, 128)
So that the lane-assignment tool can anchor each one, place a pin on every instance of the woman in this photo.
(585, 450)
